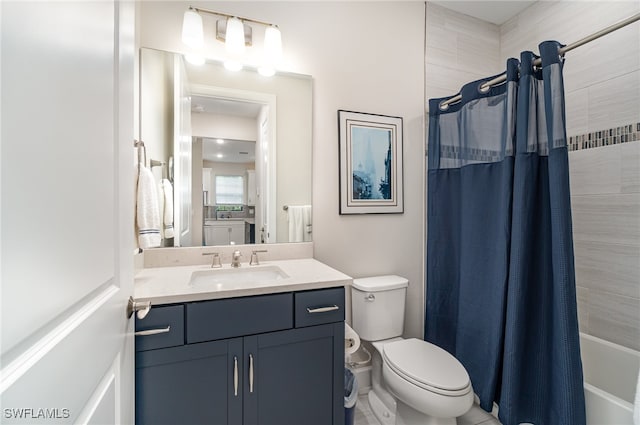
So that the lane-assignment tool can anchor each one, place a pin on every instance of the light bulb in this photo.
(273, 44)
(192, 34)
(272, 52)
(235, 36)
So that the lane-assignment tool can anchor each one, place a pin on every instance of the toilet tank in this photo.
(377, 306)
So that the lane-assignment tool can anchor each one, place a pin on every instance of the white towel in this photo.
(306, 220)
(148, 213)
(636, 404)
(167, 215)
(299, 217)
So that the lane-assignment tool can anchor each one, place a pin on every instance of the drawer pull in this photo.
(250, 373)
(322, 309)
(153, 331)
(235, 376)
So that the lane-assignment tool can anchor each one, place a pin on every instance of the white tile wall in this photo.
(460, 49)
(630, 178)
(609, 218)
(605, 205)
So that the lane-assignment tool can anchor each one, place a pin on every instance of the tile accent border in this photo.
(611, 136)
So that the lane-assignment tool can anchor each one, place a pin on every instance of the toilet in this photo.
(413, 382)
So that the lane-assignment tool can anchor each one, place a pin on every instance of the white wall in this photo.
(156, 106)
(358, 66)
(223, 126)
(366, 57)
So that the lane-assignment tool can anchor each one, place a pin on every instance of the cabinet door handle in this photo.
(153, 331)
(235, 376)
(322, 309)
(250, 373)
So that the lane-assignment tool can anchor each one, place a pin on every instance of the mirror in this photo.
(236, 147)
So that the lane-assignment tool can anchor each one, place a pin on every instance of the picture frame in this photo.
(371, 167)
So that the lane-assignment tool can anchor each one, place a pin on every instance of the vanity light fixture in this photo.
(192, 33)
(234, 36)
(220, 141)
(236, 33)
(272, 51)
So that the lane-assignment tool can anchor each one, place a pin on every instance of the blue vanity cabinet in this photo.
(298, 377)
(178, 383)
(263, 360)
(189, 384)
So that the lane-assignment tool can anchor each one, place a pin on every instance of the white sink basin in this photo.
(241, 277)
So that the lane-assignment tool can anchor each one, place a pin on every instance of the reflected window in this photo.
(229, 190)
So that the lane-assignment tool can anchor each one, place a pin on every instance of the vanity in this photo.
(253, 345)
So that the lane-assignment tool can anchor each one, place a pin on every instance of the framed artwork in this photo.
(371, 176)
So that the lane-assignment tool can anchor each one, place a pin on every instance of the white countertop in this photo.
(167, 285)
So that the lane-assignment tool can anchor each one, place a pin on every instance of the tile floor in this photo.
(476, 416)
(364, 415)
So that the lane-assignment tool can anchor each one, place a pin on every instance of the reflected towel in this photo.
(165, 200)
(299, 217)
(148, 213)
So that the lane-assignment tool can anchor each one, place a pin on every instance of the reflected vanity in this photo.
(240, 142)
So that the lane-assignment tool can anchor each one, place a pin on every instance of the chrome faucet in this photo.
(254, 257)
(235, 259)
(215, 262)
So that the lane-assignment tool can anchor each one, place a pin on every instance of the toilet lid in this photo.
(427, 366)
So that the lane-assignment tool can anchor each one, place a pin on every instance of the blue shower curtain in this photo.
(500, 274)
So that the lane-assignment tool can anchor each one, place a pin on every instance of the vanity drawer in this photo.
(232, 317)
(164, 327)
(319, 306)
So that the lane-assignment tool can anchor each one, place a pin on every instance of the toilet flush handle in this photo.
(370, 298)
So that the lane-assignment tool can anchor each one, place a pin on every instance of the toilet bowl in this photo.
(414, 382)
(430, 385)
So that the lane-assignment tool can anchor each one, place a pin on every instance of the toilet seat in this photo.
(427, 366)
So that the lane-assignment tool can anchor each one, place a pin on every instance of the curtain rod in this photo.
(502, 78)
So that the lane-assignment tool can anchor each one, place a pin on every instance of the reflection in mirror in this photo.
(241, 145)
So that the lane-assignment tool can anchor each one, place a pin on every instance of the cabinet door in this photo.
(297, 377)
(236, 233)
(221, 235)
(216, 235)
(190, 384)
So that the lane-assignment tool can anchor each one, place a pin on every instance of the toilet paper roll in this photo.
(351, 340)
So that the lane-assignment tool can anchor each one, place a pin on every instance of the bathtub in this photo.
(610, 377)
